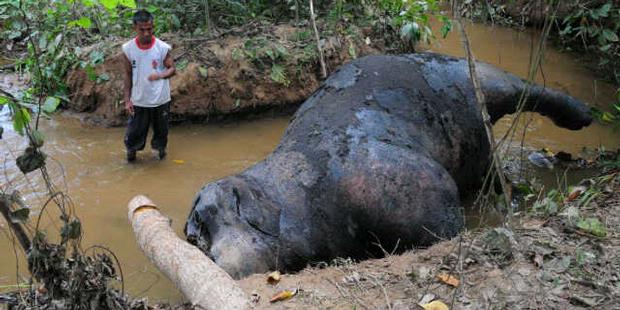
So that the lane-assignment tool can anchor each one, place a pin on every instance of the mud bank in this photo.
(243, 70)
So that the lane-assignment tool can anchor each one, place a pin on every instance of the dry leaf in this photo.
(273, 278)
(283, 295)
(448, 279)
(548, 152)
(435, 305)
(575, 193)
(42, 289)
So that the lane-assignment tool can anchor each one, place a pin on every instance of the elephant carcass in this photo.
(382, 154)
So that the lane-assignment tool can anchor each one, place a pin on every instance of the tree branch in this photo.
(483, 107)
(318, 40)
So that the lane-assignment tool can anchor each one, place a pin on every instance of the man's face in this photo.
(144, 31)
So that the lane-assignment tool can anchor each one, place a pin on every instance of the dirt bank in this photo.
(552, 261)
(243, 70)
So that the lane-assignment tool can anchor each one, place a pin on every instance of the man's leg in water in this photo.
(160, 128)
(137, 129)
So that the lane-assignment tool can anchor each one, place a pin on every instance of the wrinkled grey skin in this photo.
(381, 154)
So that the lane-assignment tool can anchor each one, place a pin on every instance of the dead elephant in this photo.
(382, 154)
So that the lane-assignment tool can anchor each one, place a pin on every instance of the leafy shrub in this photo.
(594, 27)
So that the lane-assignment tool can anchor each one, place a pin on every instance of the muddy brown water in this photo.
(101, 183)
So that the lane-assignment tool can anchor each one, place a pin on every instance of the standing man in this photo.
(148, 67)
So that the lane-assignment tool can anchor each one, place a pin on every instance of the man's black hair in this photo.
(142, 16)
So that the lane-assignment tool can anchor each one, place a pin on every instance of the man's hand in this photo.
(154, 77)
(129, 107)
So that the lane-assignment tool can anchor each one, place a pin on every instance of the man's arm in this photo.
(128, 84)
(169, 72)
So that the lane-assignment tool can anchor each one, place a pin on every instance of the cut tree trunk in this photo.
(203, 282)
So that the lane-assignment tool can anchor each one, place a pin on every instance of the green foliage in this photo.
(51, 104)
(182, 64)
(608, 160)
(278, 75)
(111, 5)
(549, 205)
(342, 10)
(308, 53)
(583, 257)
(592, 226)
(578, 198)
(203, 72)
(302, 35)
(352, 51)
(611, 117)
(21, 119)
(595, 26)
(263, 54)
(492, 11)
(200, 16)
(51, 33)
(587, 197)
(403, 21)
(613, 163)
(83, 22)
(261, 51)
(20, 113)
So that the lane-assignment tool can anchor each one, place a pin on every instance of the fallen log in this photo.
(201, 281)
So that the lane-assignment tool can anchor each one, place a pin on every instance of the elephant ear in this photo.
(254, 207)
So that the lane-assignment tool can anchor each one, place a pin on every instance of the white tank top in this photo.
(144, 62)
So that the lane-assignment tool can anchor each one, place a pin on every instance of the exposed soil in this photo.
(231, 73)
(536, 262)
